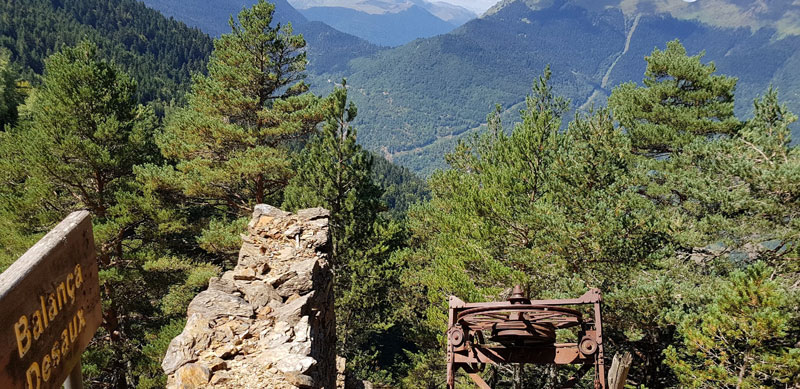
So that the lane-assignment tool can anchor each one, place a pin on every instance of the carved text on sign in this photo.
(49, 307)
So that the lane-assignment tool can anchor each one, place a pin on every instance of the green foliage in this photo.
(85, 135)
(336, 173)
(401, 188)
(681, 99)
(230, 144)
(158, 52)
(557, 212)
(223, 237)
(441, 87)
(86, 112)
(154, 350)
(14, 242)
(10, 92)
(230, 148)
(734, 197)
(741, 338)
(76, 148)
(562, 211)
(696, 251)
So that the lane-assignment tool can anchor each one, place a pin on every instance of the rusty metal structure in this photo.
(522, 331)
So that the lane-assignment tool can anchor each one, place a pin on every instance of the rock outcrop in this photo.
(269, 322)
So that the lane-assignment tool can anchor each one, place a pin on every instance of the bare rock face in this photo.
(192, 375)
(269, 322)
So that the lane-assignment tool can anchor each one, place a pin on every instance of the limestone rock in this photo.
(219, 377)
(291, 311)
(227, 351)
(293, 231)
(258, 293)
(250, 253)
(318, 240)
(300, 380)
(313, 213)
(181, 349)
(218, 364)
(222, 284)
(268, 210)
(340, 372)
(295, 364)
(213, 303)
(284, 275)
(193, 375)
(244, 274)
(302, 281)
(278, 279)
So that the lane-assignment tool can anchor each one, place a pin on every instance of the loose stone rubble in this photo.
(269, 322)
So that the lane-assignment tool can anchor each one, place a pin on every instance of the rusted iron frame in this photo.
(533, 312)
(566, 353)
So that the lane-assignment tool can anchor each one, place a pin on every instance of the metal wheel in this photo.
(520, 324)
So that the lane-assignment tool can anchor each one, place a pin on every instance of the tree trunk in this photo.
(260, 189)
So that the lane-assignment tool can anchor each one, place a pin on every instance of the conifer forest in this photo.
(675, 191)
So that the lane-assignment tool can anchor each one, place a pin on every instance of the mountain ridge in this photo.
(781, 14)
(388, 29)
(449, 12)
(417, 100)
(161, 54)
(329, 48)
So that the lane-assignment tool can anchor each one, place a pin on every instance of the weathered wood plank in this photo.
(618, 373)
(49, 306)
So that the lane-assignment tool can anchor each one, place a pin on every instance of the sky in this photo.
(477, 6)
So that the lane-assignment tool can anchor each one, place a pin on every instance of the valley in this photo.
(291, 193)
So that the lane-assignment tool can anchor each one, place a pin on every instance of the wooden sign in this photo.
(49, 307)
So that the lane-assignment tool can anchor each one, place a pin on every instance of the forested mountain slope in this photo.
(328, 48)
(417, 99)
(158, 52)
(212, 16)
(783, 15)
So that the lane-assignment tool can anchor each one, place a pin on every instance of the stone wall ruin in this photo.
(269, 322)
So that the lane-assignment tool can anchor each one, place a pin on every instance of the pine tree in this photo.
(231, 147)
(336, 173)
(742, 338)
(681, 100)
(78, 150)
(11, 94)
(86, 112)
(85, 135)
(231, 142)
(557, 212)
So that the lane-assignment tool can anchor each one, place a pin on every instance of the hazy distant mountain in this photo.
(417, 100)
(449, 12)
(387, 22)
(387, 29)
(329, 49)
